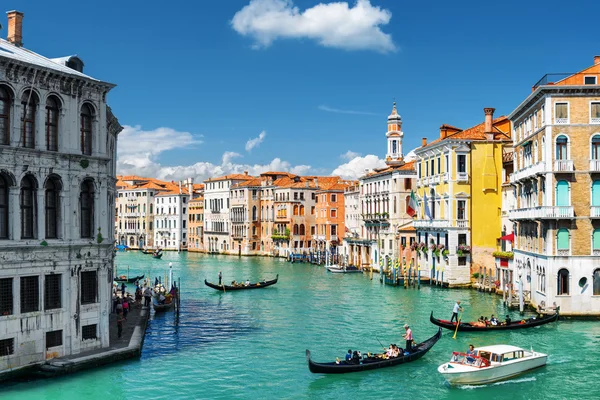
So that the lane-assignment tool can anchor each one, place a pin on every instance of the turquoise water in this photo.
(251, 344)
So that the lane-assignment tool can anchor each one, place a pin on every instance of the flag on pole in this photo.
(412, 204)
(427, 210)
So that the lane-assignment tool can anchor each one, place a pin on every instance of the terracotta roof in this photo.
(474, 133)
(230, 177)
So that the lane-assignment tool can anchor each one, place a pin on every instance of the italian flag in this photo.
(412, 204)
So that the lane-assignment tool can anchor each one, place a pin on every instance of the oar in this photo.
(382, 346)
(457, 324)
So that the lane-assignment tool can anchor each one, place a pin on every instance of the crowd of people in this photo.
(123, 302)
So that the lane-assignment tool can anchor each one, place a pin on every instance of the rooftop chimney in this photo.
(596, 60)
(15, 28)
(443, 132)
(424, 142)
(246, 173)
(488, 128)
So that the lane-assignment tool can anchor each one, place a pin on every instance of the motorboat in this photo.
(339, 269)
(490, 364)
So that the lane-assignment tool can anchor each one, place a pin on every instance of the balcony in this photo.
(462, 223)
(433, 223)
(595, 212)
(558, 212)
(561, 121)
(563, 166)
(528, 172)
(596, 252)
(595, 165)
(462, 177)
(375, 217)
(446, 177)
(436, 180)
(563, 252)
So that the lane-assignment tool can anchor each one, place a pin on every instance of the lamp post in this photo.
(520, 271)
(171, 273)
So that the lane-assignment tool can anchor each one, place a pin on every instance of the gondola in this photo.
(157, 255)
(372, 363)
(123, 278)
(146, 251)
(257, 285)
(163, 307)
(520, 324)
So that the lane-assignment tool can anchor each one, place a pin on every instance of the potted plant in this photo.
(506, 255)
(463, 249)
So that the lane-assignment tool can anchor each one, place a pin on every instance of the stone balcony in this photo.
(431, 223)
(462, 177)
(563, 166)
(595, 212)
(595, 165)
(543, 212)
(528, 172)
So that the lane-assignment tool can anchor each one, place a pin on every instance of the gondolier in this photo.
(220, 278)
(408, 336)
(457, 308)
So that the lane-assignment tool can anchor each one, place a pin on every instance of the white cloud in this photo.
(136, 157)
(340, 111)
(349, 155)
(356, 167)
(252, 143)
(411, 156)
(331, 25)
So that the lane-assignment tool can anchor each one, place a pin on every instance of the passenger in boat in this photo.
(355, 358)
(471, 350)
(408, 336)
(508, 320)
(390, 351)
(349, 355)
(481, 319)
(493, 320)
(486, 322)
(161, 299)
(248, 282)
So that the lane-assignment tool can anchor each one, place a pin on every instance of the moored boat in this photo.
(490, 364)
(124, 278)
(242, 286)
(337, 269)
(476, 326)
(368, 363)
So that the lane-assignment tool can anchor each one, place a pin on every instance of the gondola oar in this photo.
(457, 324)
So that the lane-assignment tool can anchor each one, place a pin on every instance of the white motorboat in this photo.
(490, 364)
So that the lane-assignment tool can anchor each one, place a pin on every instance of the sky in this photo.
(206, 88)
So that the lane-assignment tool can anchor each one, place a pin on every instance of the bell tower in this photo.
(394, 136)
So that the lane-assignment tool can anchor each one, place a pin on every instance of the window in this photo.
(28, 106)
(3, 207)
(596, 282)
(562, 240)
(595, 112)
(407, 183)
(333, 230)
(7, 347)
(302, 230)
(86, 129)
(6, 296)
(439, 165)
(86, 206)
(562, 147)
(589, 80)
(462, 238)
(563, 282)
(5, 102)
(52, 206)
(334, 198)
(561, 113)
(333, 213)
(52, 292)
(53, 339)
(312, 210)
(52, 124)
(89, 287)
(89, 332)
(461, 160)
(28, 208)
(460, 211)
(30, 294)
(432, 167)
(562, 193)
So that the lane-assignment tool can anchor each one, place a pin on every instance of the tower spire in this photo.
(394, 138)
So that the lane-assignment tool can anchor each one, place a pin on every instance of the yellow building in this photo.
(459, 190)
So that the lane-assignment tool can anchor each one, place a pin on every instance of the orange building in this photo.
(196, 225)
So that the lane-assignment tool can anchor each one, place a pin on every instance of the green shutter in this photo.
(596, 239)
(563, 239)
(596, 193)
(562, 193)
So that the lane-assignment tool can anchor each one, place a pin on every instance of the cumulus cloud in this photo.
(349, 155)
(356, 167)
(252, 143)
(335, 24)
(137, 157)
(340, 111)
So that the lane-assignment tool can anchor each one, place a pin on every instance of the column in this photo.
(40, 125)
(40, 214)
(14, 213)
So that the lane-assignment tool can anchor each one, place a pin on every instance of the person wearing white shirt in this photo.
(457, 308)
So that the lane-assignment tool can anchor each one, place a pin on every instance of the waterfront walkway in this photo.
(128, 346)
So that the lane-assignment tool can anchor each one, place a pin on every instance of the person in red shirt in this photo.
(408, 337)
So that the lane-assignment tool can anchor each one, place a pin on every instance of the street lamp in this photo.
(520, 272)
(171, 273)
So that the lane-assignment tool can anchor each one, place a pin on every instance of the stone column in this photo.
(14, 213)
(40, 215)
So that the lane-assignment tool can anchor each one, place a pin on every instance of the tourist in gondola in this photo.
(248, 282)
(349, 355)
(508, 320)
(493, 320)
(457, 308)
(408, 336)
(355, 358)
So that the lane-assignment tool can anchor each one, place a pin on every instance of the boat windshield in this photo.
(469, 359)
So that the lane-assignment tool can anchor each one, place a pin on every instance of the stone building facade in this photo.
(57, 188)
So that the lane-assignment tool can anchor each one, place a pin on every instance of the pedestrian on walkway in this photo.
(147, 296)
(125, 307)
(120, 319)
(123, 287)
(119, 307)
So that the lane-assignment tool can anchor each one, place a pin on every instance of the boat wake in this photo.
(519, 380)
(558, 360)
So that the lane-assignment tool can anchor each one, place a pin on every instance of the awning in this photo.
(508, 238)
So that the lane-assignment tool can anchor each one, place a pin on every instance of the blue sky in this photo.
(198, 79)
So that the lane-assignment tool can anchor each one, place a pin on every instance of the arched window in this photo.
(52, 206)
(596, 282)
(3, 207)
(52, 113)
(302, 230)
(295, 209)
(562, 287)
(535, 152)
(562, 147)
(562, 193)
(432, 193)
(28, 108)
(86, 118)
(86, 206)
(27, 199)
(595, 148)
(301, 210)
(543, 148)
(295, 229)
(5, 101)
(253, 213)
(562, 239)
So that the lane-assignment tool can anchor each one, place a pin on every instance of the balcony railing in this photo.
(436, 179)
(445, 177)
(563, 252)
(561, 121)
(596, 252)
(595, 212)
(528, 172)
(544, 212)
(595, 165)
(375, 217)
(462, 177)
(563, 166)
(431, 223)
(462, 223)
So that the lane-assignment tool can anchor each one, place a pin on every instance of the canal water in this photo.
(251, 344)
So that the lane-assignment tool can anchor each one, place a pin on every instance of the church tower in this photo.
(394, 136)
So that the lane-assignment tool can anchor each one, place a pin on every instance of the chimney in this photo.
(443, 132)
(190, 183)
(246, 173)
(488, 128)
(15, 28)
(596, 60)
(424, 142)
(179, 187)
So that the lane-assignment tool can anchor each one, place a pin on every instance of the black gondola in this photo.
(156, 255)
(146, 251)
(257, 285)
(520, 324)
(129, 280)
(372, 363)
